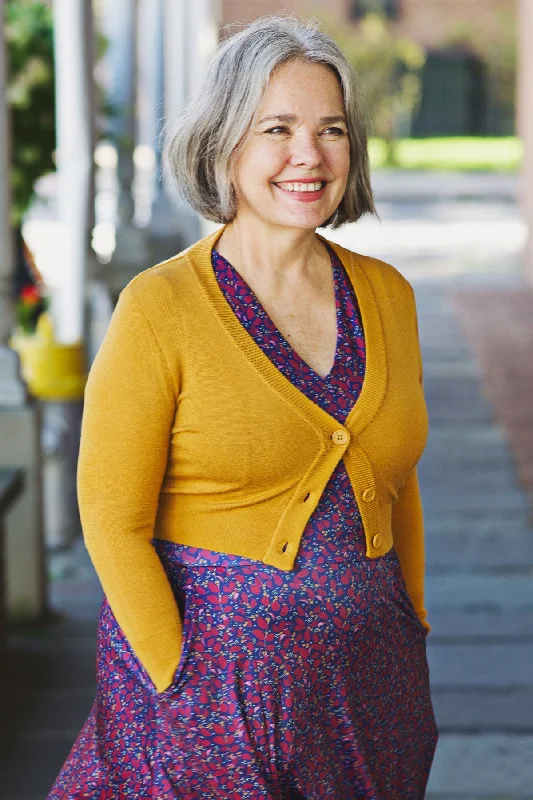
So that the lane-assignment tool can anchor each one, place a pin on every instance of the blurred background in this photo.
(85, 88)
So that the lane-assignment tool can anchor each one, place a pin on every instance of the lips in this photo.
(303, 191)
(305, 185)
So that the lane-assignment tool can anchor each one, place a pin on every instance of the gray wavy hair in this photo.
(201, 143)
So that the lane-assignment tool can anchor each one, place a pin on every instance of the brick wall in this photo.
(248, 10)
(432, 21)
(428, 21)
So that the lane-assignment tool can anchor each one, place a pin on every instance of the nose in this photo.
(305, 150)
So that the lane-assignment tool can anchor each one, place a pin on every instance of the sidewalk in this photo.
(480, 571)
(394, 185)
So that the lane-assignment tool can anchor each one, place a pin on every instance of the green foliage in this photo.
(29, 307)
(468, 153)
(390, 67)
(30, 94)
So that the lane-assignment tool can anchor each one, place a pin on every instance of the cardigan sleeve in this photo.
(130, 404)
(408, 520)
(408, 536)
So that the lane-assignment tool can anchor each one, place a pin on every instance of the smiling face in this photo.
(293, 168)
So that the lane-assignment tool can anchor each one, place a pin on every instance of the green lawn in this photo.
(501, 154)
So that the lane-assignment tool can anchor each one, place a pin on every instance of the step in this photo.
(483, 766)
(502, 500)
(483, 478)
(455, 626)
(491, 550)
(474, 665)
(478, 524)
(479, 592)
(484, 709)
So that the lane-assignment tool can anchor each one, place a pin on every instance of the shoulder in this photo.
(172, 282)
(387, 283)
(161, 280)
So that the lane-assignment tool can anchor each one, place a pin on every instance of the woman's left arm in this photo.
(408, 536)
(408, 518)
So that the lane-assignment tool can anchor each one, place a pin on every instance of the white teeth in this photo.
(301, 187)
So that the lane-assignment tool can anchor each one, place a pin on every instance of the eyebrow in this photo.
(292, 118)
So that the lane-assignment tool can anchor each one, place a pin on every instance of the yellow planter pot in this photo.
(52, 371)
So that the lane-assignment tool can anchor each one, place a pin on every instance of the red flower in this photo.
(30, 295)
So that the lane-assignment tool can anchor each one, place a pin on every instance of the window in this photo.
(358, 8)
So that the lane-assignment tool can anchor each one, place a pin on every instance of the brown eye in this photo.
(334, 132)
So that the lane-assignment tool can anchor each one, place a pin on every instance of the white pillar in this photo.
(150, 106)
(525, 120)
(176, 55)
(73, 36)
(203, 23)
(150, 111)
(120, 29)
(191, 37)
(6, 239)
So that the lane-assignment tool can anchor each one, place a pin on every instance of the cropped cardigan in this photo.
(191, 434)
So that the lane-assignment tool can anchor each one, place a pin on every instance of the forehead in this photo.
(301, 83)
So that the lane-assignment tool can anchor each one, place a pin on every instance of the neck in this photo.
(276, 254)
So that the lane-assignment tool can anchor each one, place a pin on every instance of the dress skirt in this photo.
(311, 683)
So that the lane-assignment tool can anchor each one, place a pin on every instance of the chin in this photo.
(304, 222)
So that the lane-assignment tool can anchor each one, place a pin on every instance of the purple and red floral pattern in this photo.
(310, 684)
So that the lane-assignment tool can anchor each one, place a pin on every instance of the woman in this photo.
(247, 474)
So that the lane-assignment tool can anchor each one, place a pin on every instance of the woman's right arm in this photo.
(130, 404)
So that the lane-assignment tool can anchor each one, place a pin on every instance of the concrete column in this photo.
(22, 581)
(525, 119)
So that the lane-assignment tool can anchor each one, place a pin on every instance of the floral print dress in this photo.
(303, 685)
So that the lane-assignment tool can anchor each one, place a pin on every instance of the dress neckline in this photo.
(338, 312)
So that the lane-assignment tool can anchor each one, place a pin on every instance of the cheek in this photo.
(266, 161)
(339, 160)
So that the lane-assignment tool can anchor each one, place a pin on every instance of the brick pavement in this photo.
(479, 570)
(499, 327)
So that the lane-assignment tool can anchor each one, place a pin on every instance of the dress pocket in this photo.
(401, 596)
(187, 616)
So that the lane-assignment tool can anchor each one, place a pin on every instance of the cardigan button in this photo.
(369, 495)
(377, 541)
(341, 437)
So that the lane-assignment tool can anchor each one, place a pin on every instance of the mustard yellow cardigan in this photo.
(192, 435)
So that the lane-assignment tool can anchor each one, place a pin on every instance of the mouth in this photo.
(301, 187)
(303, 192)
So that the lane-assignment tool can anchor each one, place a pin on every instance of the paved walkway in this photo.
(479, 550)
(480, 574)
(499, 326)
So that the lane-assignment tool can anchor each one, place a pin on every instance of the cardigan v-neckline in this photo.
(329, 376)
(375, 380)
